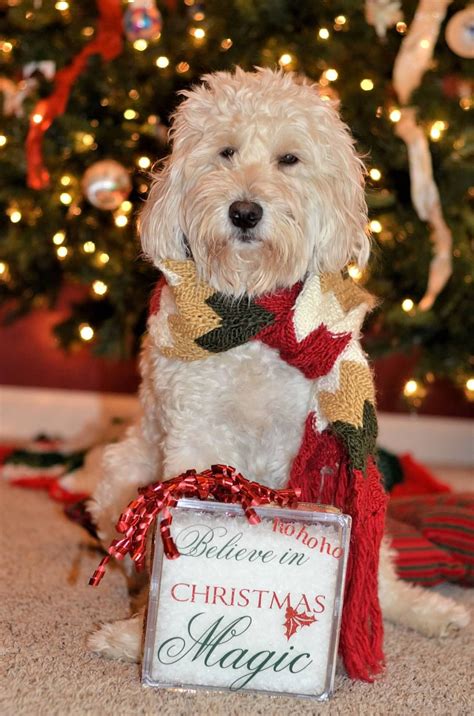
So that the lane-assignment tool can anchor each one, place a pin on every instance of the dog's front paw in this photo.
(443, 617)
(118, 640)
(448, 620)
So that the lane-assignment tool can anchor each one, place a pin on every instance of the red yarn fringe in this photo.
(322, 474)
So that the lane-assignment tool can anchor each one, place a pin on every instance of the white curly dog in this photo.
(269, 143)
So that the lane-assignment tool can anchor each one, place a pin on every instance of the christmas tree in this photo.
(88, 88)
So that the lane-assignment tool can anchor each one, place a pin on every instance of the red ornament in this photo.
(142, 21)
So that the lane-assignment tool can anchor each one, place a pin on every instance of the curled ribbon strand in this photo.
(411, 63)
(221, 482)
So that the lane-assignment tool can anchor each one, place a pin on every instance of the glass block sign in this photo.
(254, 607)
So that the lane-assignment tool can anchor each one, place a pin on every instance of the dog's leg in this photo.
(119, 640)
(131, 463)
(127, 465)
(429, 613)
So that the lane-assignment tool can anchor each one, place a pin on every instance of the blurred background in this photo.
(86, 93)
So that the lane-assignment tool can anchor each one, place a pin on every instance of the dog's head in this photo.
(263, 185)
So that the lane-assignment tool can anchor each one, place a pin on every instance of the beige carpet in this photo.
(47, 609)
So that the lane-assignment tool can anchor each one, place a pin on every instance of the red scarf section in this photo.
(323, 474)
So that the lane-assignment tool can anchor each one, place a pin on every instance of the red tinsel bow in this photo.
(108, 42)
(221, 482)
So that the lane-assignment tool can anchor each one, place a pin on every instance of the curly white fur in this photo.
(245, 407)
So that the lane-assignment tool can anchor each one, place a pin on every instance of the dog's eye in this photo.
(227, 153)
(288, 159)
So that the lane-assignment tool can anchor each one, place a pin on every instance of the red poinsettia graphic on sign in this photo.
(295, 620)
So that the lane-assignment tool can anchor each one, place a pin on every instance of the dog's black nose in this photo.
(245, 214)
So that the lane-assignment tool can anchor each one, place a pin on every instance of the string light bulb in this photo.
(375, 226)
(126, 206)
(340, 20)
(87, 139)
(104, 258)
(15, 216)
(285, 60)
(37, 118)
(436, 130)
(407, 305)
(121, 220)
(414, 392)
(323, 33)
(227, 43)
(100, 288)
(62, 6)
(331, 74)
(198, 33)
(3, 140)
(86, 332)
(144, 162)
(375, 174)
(65, 180)
(140, 45)
(62, 252)
(410, 388)
(58, 238)
(395, 115)
(130, 114)
(162, 62)
(367, 85)
(88, 247)
(65, 198)
(354, 272)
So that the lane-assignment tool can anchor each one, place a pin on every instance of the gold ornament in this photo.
(460, 33)
(106, 184)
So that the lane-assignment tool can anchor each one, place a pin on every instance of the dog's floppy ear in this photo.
(160, 222)
(159, 227)
(340, 219)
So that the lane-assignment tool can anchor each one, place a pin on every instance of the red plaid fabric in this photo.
(434, 538)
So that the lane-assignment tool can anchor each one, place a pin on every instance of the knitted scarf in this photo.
(315, 327)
